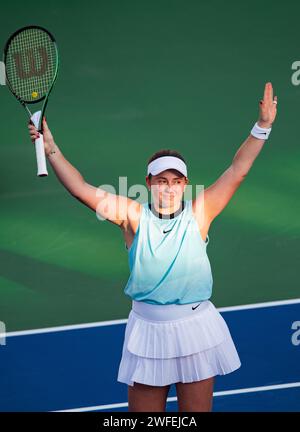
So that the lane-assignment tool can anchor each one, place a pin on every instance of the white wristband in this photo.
(260, 133)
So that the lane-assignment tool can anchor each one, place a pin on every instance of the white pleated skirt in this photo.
(166, 344)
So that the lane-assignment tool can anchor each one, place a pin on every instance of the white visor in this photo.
(167, 162)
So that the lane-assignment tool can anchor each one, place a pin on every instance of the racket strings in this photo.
(31, 64)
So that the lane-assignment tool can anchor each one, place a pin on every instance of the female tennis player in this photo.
(174, 334)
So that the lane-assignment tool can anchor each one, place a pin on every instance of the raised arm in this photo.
(218, 195)
(109, 206)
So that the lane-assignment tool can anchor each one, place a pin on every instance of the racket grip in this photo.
(40, 157)
(39, 147)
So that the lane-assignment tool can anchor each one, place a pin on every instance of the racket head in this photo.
(31, 63)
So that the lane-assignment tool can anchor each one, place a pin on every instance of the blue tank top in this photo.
(168, 261)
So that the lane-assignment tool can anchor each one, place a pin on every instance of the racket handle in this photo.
(40, 156)
(39, 147)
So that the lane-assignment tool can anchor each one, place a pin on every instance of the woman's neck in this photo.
(166, 212)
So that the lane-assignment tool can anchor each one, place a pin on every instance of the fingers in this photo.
(45, 126)
(268, 99)
(268, 92)
(34, 134)
(34, 137)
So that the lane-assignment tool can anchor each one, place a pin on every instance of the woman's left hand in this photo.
(268, 107)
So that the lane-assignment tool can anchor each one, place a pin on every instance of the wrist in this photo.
(260, 132)
(263, 124)
(52, 150)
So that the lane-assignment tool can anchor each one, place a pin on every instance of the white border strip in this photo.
(2, 73)
(174, 399)
(123, 321)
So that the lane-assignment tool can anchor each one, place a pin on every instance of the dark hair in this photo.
(165, 152)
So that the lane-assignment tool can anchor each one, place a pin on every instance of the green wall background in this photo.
(135, 77)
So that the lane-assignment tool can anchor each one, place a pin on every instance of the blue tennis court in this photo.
(75, 368)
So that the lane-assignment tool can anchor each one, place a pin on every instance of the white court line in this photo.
(174, 399)
(64, 328)
(123, 321)
(259, 305)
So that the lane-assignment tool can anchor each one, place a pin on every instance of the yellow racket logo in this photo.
(34, 94)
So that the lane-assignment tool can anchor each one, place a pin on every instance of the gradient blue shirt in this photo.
(168, 260)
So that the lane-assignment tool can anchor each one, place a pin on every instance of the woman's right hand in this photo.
(49, 143)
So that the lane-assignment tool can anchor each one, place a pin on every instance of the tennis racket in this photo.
(31, 66)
